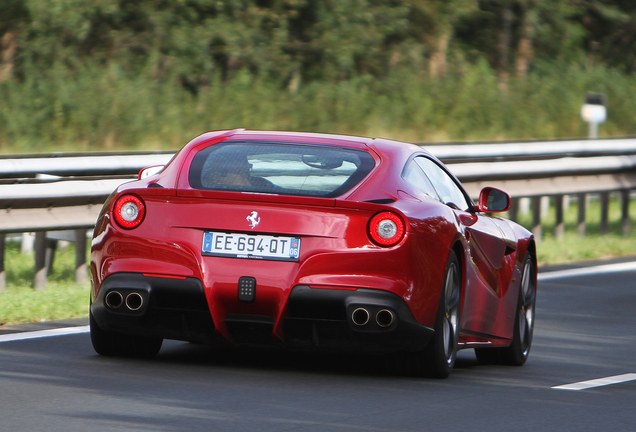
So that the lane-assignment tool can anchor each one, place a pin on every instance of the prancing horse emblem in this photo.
(253, 219)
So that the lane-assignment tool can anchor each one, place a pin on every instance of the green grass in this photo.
(593, 245)
(573, 248)
(63, 299)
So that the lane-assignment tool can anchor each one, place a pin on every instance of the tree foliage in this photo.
(54, 53)
(295, 41)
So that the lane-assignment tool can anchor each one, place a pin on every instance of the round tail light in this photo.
(129, 211)
(386, 229)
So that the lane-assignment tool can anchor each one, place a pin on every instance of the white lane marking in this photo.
(44, 333)
(607, 268)
(598, 382)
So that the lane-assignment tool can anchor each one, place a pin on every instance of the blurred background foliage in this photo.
(129, 74)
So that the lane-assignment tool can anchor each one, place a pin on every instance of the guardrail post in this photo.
(559, 227)
(44, 256)
(3, 279)
(51, 247)
(39, 281)
(536, 218)
(604, 198)
(513, 212)
(80, 256)
(582, 202)
(625, 211)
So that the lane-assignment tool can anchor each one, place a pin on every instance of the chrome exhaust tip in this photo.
(384, 318)
(134, 301)
(114, 299)
(360, 316)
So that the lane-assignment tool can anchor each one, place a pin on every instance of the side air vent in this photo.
(381, 201)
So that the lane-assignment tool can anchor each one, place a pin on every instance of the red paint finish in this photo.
(338, 254)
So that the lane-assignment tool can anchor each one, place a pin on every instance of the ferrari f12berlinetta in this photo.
(311, 241)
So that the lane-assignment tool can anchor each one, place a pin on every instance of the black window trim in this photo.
(412, 158)
(357, 177)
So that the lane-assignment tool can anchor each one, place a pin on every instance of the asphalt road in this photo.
(585, 330)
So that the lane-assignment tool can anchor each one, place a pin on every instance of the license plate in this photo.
(254, 246)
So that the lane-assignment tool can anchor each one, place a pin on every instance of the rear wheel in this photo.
(440, 354)
(109, 343)
(517, 353)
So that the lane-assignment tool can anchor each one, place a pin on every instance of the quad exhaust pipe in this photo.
(114, 300)
(383, 318)
(134, 301)
(360, 316)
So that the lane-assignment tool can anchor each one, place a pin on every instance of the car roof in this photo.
(380, 145)
(284, 136)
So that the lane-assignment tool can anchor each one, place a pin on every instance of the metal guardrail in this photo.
(469, 162)
(80, 164)
(100, 164)
(532, 149)
(34, 196)
(561, 167)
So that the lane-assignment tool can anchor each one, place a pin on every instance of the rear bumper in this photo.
(167, 308)
(362, 319)
(329, 319)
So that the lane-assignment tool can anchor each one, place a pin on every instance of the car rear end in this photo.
(250, 241)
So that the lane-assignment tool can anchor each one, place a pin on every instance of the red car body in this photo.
(343, 288)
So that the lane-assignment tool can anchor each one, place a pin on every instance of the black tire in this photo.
(115, 344)
(440, 354)
(517, 353)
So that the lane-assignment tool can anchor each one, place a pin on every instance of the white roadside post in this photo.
(593, 112)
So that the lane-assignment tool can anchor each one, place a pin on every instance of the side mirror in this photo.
(493, 200)
(149, 171)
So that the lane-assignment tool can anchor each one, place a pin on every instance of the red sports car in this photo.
(311, 241)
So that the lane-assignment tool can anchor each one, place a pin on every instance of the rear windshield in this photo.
(279, 168)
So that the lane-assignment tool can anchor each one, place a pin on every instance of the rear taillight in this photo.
(386, 229)
(129, 211)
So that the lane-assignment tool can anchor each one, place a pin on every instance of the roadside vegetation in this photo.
(594, 245)
(82, 75)
(105, 111)
(62, 299)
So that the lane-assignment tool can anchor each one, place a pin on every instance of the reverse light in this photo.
(386, 229)
(129, 211)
